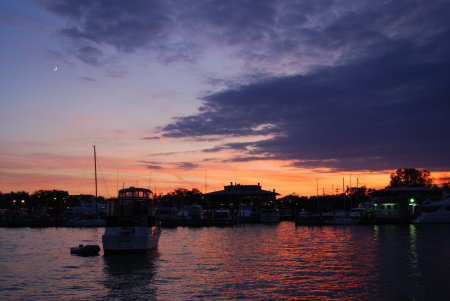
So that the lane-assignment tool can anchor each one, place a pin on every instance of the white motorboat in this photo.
(247, 214)
(351, 217)
(270, 215)
(166, 213)
(302, 218)
(88, 213)
(192, 213)
(130, 222)
(434, 213)
(222, 217)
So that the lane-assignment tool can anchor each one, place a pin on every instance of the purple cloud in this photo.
(383, 106)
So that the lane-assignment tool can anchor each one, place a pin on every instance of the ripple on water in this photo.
(254, 262)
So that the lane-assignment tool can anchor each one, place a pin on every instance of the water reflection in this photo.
(413, 254)
(254, 262)
(130, 276)
(410, 258)
(333, 263)
(270, 263)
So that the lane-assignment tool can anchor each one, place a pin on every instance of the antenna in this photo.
(95, 169)
(317, 187)
(150, 180)
(318, 202)
(205, 180)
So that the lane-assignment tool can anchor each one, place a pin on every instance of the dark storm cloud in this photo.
(384, 108)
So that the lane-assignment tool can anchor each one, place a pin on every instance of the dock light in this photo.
(412, 202)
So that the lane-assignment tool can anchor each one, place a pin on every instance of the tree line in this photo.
(54, 199)
(411, 177)
(60, 199)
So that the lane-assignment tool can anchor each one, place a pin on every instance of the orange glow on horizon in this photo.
(75, 173)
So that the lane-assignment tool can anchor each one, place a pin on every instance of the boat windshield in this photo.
(123, 207)
(123, 212)
(134, 194)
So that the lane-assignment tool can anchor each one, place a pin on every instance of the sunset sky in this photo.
(202, 93)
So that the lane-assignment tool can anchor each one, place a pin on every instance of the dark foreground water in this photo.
(254, 262)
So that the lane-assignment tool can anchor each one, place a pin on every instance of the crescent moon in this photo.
(55, 69)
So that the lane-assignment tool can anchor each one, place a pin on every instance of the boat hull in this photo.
(130, 239)
(342, 221)
(433, 218)
(270, 218)
(86, 223)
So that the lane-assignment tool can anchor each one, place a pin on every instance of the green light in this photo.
(412, 200)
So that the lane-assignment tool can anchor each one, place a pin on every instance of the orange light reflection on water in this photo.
(276, 262)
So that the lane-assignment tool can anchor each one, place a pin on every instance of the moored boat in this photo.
(131, 225)
(88, 250)
(302, 218)
(434, 213)
(270, 215)
(342, 220)
(351, 217)
(222, 217)
(93, 221)
(247, 214)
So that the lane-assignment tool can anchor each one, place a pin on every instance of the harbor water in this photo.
(249, 262)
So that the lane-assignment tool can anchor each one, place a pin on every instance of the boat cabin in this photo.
(133, 192)
(133, 207)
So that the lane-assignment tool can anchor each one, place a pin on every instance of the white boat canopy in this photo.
(439, 203)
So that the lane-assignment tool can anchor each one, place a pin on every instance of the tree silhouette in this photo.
(411, 177)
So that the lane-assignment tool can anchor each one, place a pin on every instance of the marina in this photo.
(247, 150)
(250, 262)
(428, 212)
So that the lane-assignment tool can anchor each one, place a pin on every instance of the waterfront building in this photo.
(236, 195)
(398, 204)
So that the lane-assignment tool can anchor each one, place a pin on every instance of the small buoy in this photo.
(87, 250)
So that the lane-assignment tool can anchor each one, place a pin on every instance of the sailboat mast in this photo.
(318, 201)
(95, 168)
